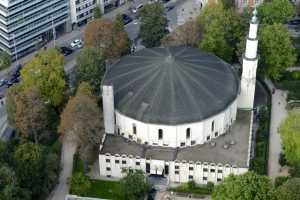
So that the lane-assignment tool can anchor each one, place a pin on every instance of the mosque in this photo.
(180, 113)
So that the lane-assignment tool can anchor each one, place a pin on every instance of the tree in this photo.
(97, 12)
(290, 135)
(90, 67)
(248, 186)
(5, 60)
(222, 30)
(11, 94)
(228, 4)
(289, 190)
(188, 34)
(153, 24)
(31, 114)
(133, 186)
(276, 11)
(118, 22)
(82, 117)
(79, 184)
(45, 71)
(102, 34)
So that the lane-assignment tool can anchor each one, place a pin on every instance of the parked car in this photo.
(137, 8)
(76, 44)
(65, 51)
(126, 19)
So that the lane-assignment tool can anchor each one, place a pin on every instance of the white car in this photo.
(136, 9)
(76, 44)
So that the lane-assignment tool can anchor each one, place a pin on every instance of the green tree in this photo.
(97, 12)
(276, 11)
(79, 184)
(276, 50)
(248, 186)
(90, 67)
(290, 135)
(46, 72)
(5, 60)
(290, 190)
(153, 24)
(133, 186)
(11, 95)
(118, 22)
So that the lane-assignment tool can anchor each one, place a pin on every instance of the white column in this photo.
(108, 108)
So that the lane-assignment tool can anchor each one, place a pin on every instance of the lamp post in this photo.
(53, 32)
(16, 51)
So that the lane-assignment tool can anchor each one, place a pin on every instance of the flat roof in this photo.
(235, 153)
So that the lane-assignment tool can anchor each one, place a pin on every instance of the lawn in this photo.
(196, 189)
(104, 189)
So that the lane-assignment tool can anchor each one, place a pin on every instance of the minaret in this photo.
(248, 79)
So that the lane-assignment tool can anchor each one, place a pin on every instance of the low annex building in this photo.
(179, 112)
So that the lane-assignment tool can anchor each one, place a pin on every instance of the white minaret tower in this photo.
(108, 108)
(246, 97)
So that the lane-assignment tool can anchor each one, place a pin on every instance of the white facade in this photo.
(180, 135)
(177, 172)
(82, 10)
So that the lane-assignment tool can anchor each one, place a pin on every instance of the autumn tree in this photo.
(276, 50)
(31, 114)
(102, 34)
(290, 135)
(45, 71)
(153, 24)
(248, 186)
(275, 11)
(188, 34)
(81, 117)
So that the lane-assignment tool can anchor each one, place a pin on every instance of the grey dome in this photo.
(173, 85)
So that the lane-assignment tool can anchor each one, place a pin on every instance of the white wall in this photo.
(201, 173)
(174, 135)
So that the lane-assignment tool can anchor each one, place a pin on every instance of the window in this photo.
(107, 168)
(137, 163)
(134, 129)
(216, 134)
(191, 177)
(220, 171)
(119, 131)
(212, 170)
(107, 160)
(205, 169)
(204, 178)
(182, 144)
(160, 134)
(191, 168)
(176, 166)
(176, 172)
(208, 138)
(130, 137)
(123, 161)
(212, 126)
(219, 179)
(188, 133)
(193, 142)
(117, 161)
(108, 176)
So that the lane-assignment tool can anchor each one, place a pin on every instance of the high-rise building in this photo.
(25, 25)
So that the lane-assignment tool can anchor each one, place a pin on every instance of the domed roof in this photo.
(173, 85)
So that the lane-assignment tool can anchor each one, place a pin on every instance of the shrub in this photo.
(282, 160)
(191, 185)
(280, 180)
(79, 184)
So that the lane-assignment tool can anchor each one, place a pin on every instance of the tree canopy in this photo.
(248, 186)
(153, 24)
(275, 11)
(290, 135)
(90, 67)
(97, 12)
(5, 60)
(276, 50)
(133, 186)
(45, 71)
(79, 184)
(290, 190)
(102, 34)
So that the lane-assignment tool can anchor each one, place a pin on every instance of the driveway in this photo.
(278, 114)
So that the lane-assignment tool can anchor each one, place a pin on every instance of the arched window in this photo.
(188, 133)
(212, 126)
(134, 129)
(160, 134)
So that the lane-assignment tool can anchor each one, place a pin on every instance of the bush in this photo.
(5, 60)
(282, 160)
(295, 171)
(280, 180)
(191, 185)
(192, 188)
(210, 186)
(79, 184)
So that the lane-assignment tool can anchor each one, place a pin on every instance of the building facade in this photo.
(82, 11)
(25, 25)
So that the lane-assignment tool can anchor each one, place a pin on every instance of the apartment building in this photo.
(82, 11)
(25, 25)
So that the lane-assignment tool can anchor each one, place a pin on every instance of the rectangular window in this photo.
(191, 168)
(191, 177)
(117, 161)
(204, 178)
(107, 168)
(188, 133)
(212, 170)
(220, 171)
(182, 144)
(176, 166)
(208, 138)
(219, 179)
(176, 172)
(137, 163)
(108, 176)
(134, 129)
(193, 142)
(123, 161)
(216, 134)
(160, 134)
(205, 169)
(107, 160)
(212, 126)
(130, 137)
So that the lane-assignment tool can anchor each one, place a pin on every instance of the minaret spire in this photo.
(248, 79)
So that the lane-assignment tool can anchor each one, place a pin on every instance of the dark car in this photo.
(126, 19)
(168, 8)
(65, 51)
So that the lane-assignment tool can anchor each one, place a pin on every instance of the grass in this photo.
(186, 189)
(104, 189)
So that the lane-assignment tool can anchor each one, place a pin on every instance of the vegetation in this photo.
(290, 135)
(133, 186)
(289, 190)
(153, 24)
(79, 184)
(5, 60)
(104, 189)
(90, 67)
(276, 50)
(103, 35)
(97, 12)
(290, 81)
(248, 186)
(192, 188)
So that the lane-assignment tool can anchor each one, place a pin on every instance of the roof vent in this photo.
(226, 146)
(212, 143)
(232, 142)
